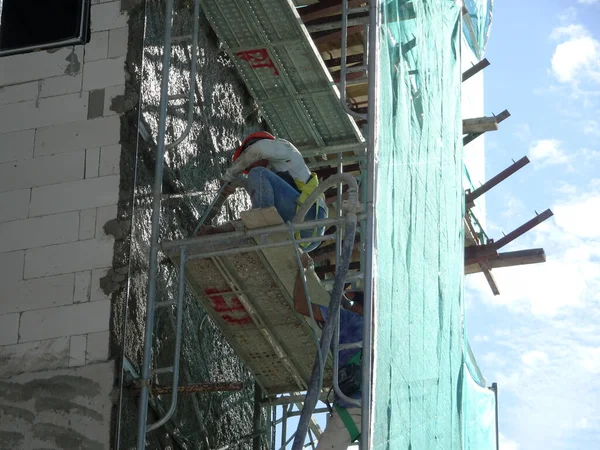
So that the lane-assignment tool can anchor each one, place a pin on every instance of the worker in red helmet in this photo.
(276, 176)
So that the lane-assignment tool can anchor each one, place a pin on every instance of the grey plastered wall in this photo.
(60, 178)
(59, 409)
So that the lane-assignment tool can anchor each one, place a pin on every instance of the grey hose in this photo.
(316, 379)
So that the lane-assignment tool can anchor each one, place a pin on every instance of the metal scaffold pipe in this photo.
(154, 244)
(369, 291)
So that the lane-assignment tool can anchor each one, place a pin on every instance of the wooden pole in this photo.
(472, 196)
(475, 69)
(509, 259)
(523, 229)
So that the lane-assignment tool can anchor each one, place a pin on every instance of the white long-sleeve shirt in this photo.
(282, 157)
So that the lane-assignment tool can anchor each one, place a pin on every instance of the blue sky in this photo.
(540, 339)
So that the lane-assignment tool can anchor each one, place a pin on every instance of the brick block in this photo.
(110, 158)
(97, 48)
(83, 284)
(66, 84)
(107, 16)
(96, 292)
(39, 231)
(38, 65)
(11, 267)
(19, 92)
(74, 196)
(111, 93)
(97, 347)
(45, 112)
(9, 328)
(37, 293)
(34, 357)
(103, 73)
(16, 146)
(66, 258)
(103, 215)
(42, 171)
(87, 224)
(96, 103)
(62, 321)
(92, 162)
(77, 350)
(117, 44)
(77, 136)
(14, 205)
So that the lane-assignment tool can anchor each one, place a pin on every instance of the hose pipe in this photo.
(350, 207)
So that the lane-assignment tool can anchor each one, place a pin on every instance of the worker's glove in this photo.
(306, 261)
(229, 175)
(228, 189)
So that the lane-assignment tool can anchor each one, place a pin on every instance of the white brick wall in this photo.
(59, 181)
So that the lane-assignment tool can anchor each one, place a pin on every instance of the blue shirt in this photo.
(351, 331)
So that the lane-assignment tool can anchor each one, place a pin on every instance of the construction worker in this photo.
(344, 424)
(277, 176)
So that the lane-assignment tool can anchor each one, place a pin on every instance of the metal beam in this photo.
(475, 69)
(510, 259)
(523, 229)
(470, 197)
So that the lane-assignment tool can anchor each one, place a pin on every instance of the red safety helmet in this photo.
(251, 139)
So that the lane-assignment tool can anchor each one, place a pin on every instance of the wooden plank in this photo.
(283, 259)
(475, 69)
(489, 277)
(510, 259)
(479, 125)
(499, 118)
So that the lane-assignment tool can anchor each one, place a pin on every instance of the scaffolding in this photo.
(335, 126)
(300, 101)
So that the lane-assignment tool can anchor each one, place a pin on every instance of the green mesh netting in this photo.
(481, 17)
(479, 408)
(419, 336)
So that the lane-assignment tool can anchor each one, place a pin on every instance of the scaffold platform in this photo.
(283, 70)
(249, 296)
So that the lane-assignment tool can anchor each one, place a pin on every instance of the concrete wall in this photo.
(59, 184)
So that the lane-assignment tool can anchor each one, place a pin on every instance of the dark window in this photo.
(28, 25)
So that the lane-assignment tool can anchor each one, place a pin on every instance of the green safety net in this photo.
(419, 378)
(479, 408)
(480, 12)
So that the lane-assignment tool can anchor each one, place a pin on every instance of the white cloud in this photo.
(566, 188)
(577, 57)
(507, 444)
(590, 359)
(544, 345)
(579, 218)
(534, 358)
(591, 127)
(587, 2)
(548, 151)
